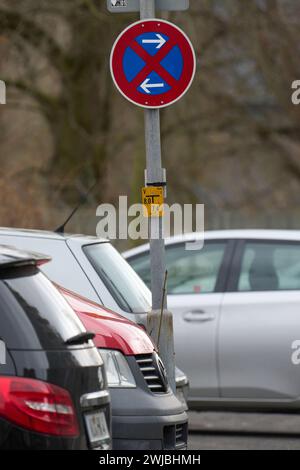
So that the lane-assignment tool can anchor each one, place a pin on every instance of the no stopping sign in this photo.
(153, 63)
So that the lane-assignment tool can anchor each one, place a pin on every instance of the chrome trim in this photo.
(153, 372)
(95, 399)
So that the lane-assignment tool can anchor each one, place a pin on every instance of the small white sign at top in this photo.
(127, 6)
(119, 3)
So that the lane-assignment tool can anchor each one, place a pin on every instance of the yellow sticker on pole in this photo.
(153, 200)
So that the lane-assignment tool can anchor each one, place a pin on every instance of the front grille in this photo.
(180, 434)
(175, 437)
(152, 372)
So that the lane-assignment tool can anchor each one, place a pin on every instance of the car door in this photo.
(196, 280)
(260, 322)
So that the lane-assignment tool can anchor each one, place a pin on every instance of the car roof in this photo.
(44, 234)
(260, 234)
(10, 257)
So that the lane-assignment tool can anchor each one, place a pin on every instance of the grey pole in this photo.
(156, 174)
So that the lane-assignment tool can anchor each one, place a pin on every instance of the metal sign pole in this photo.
(155, 174)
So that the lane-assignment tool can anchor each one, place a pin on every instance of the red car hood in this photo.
(112, 330)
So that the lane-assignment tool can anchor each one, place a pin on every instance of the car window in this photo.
(270, 267)
(189, 272)
(141, 265)
(122, 282)
(33, 314)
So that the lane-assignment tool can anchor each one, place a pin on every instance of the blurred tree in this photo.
(234, 136)
(72, 39)
(274, 43)
(238, 125)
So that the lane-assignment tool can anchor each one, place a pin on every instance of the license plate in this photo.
(96, 426)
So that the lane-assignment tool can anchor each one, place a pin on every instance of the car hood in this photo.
(111, 329)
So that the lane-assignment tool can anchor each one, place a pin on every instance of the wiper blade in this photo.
(80, 338)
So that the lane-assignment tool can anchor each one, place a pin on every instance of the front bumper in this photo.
(143, 420)
(150, 432)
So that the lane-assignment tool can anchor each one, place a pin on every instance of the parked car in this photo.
(145, 414)
(99, 273)
(53, 391)
(236, 305)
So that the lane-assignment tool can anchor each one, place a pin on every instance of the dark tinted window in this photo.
(270, 267)
(33, 315)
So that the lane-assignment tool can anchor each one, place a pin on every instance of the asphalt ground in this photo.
(243, 431)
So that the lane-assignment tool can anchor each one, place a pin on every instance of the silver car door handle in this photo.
(198, 316)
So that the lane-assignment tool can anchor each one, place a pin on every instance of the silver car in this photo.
(236, 306)
(92, 268)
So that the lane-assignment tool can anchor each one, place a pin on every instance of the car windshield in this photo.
(126, 287)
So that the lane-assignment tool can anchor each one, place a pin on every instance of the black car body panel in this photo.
(35, 325)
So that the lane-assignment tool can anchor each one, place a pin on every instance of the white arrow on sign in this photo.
(160, 41)
(146, 86)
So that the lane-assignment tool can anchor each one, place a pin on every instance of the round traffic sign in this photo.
(153, 63)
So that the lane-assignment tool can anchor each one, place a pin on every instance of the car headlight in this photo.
(118, 372)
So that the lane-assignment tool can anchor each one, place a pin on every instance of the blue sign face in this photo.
(134, 63)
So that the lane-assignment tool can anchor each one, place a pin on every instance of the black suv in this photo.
(52, 382)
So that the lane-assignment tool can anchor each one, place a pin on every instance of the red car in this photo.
(146, 415)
